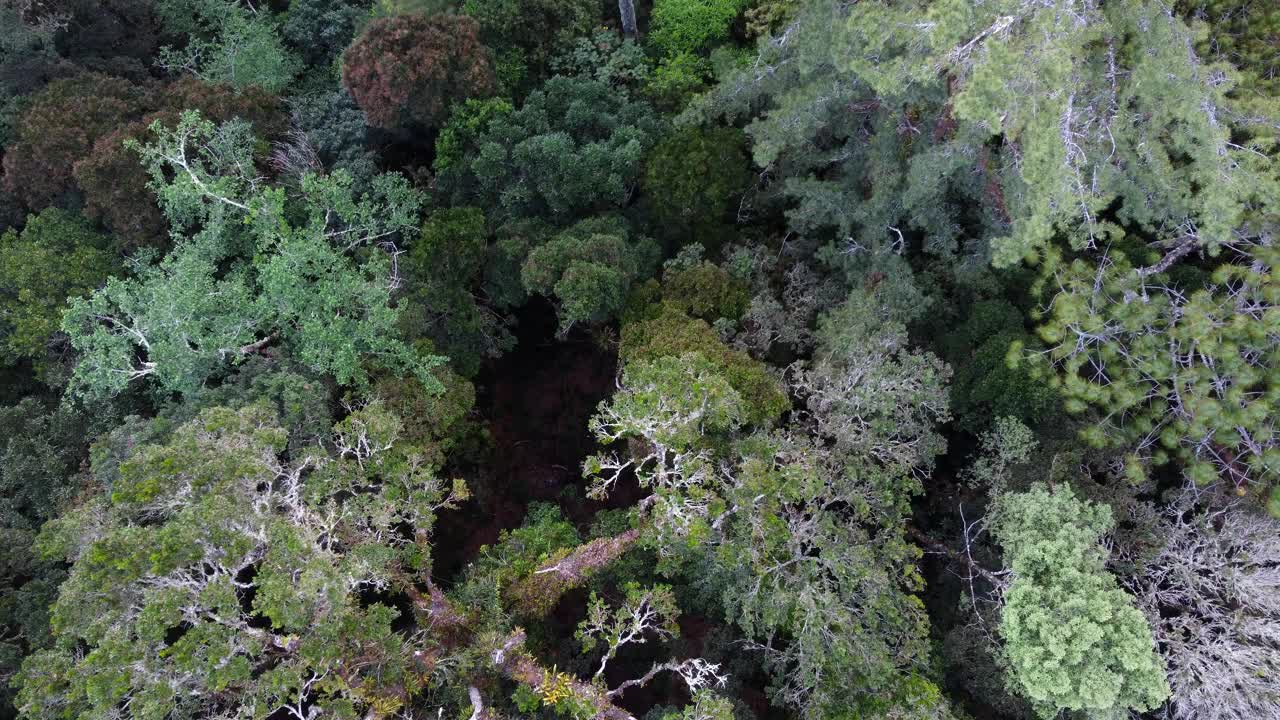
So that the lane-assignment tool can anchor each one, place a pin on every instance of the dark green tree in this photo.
(588, 269)
(526, 34)
(574, 147)
(57, 256)
(692, 177)
(457, 289)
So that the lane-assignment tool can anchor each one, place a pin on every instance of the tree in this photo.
(815, 567)
(59, 127)
(1124, 155)
(334, 129)
(114, 179)
(1180, 365)
(39, 455)
(603, 56)
(588, 269)
(702, 289)
(217, 500)
(573, 148)
(858, 146)
(823, 581)
(873, 396)
(57, 256)
(457, 290)
(668, 332)
(1073, 639)
(990, 381)
(27, 59)
(186, 319)
(525, 34)
(321, 29)
(688, 26)
(692, 175)
(407, 69)
(113, 37)
(1209, 595)
(228, 44)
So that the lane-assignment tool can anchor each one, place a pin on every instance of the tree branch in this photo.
(1189, 244)
(518, 665)
(536, 594)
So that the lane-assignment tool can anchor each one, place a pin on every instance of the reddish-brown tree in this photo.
(113, 179)
(60, 127)
(406, 69)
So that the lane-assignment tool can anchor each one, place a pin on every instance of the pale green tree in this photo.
(1072, 638)
(311, 274)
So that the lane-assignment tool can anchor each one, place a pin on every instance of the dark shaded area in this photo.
(536, 400)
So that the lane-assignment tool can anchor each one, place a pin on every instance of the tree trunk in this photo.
(536, 594)
(627, 11)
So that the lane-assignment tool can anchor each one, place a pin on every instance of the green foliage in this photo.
(407, 69)
(676, 78)
(1008, 444)
(865, 157)
(458, 285)
(686, 396)
(706, 706)
(807, 545)
(692, 176)
(228, 44)
(434, 422)
(335, 127)
(1180, 373)
(704, 290)
(1243, 33)
(642, 611)
(603, 56)
(574, 147)
(216, 500)
(588, 269)
(766, 16)
(293, 281)
(57, 256)
(543, 535)
(25, 49)
(689, 26)
(388, 8)
(874, 396)
(39, 452)
(991, 381)
(837, 584)
(467, 122)
(530, 32)
(1073, 638)
(1122, 153)
(672, 333)
(321, 29)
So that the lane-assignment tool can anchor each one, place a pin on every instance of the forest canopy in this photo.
(662, 360)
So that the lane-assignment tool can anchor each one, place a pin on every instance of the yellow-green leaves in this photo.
(1073, 638)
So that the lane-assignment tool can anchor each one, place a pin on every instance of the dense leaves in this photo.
(1073, 638)
(573, 147)
(918, 356)
(408, 69)
(218, 502)
(56, 256)
(182, 320)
